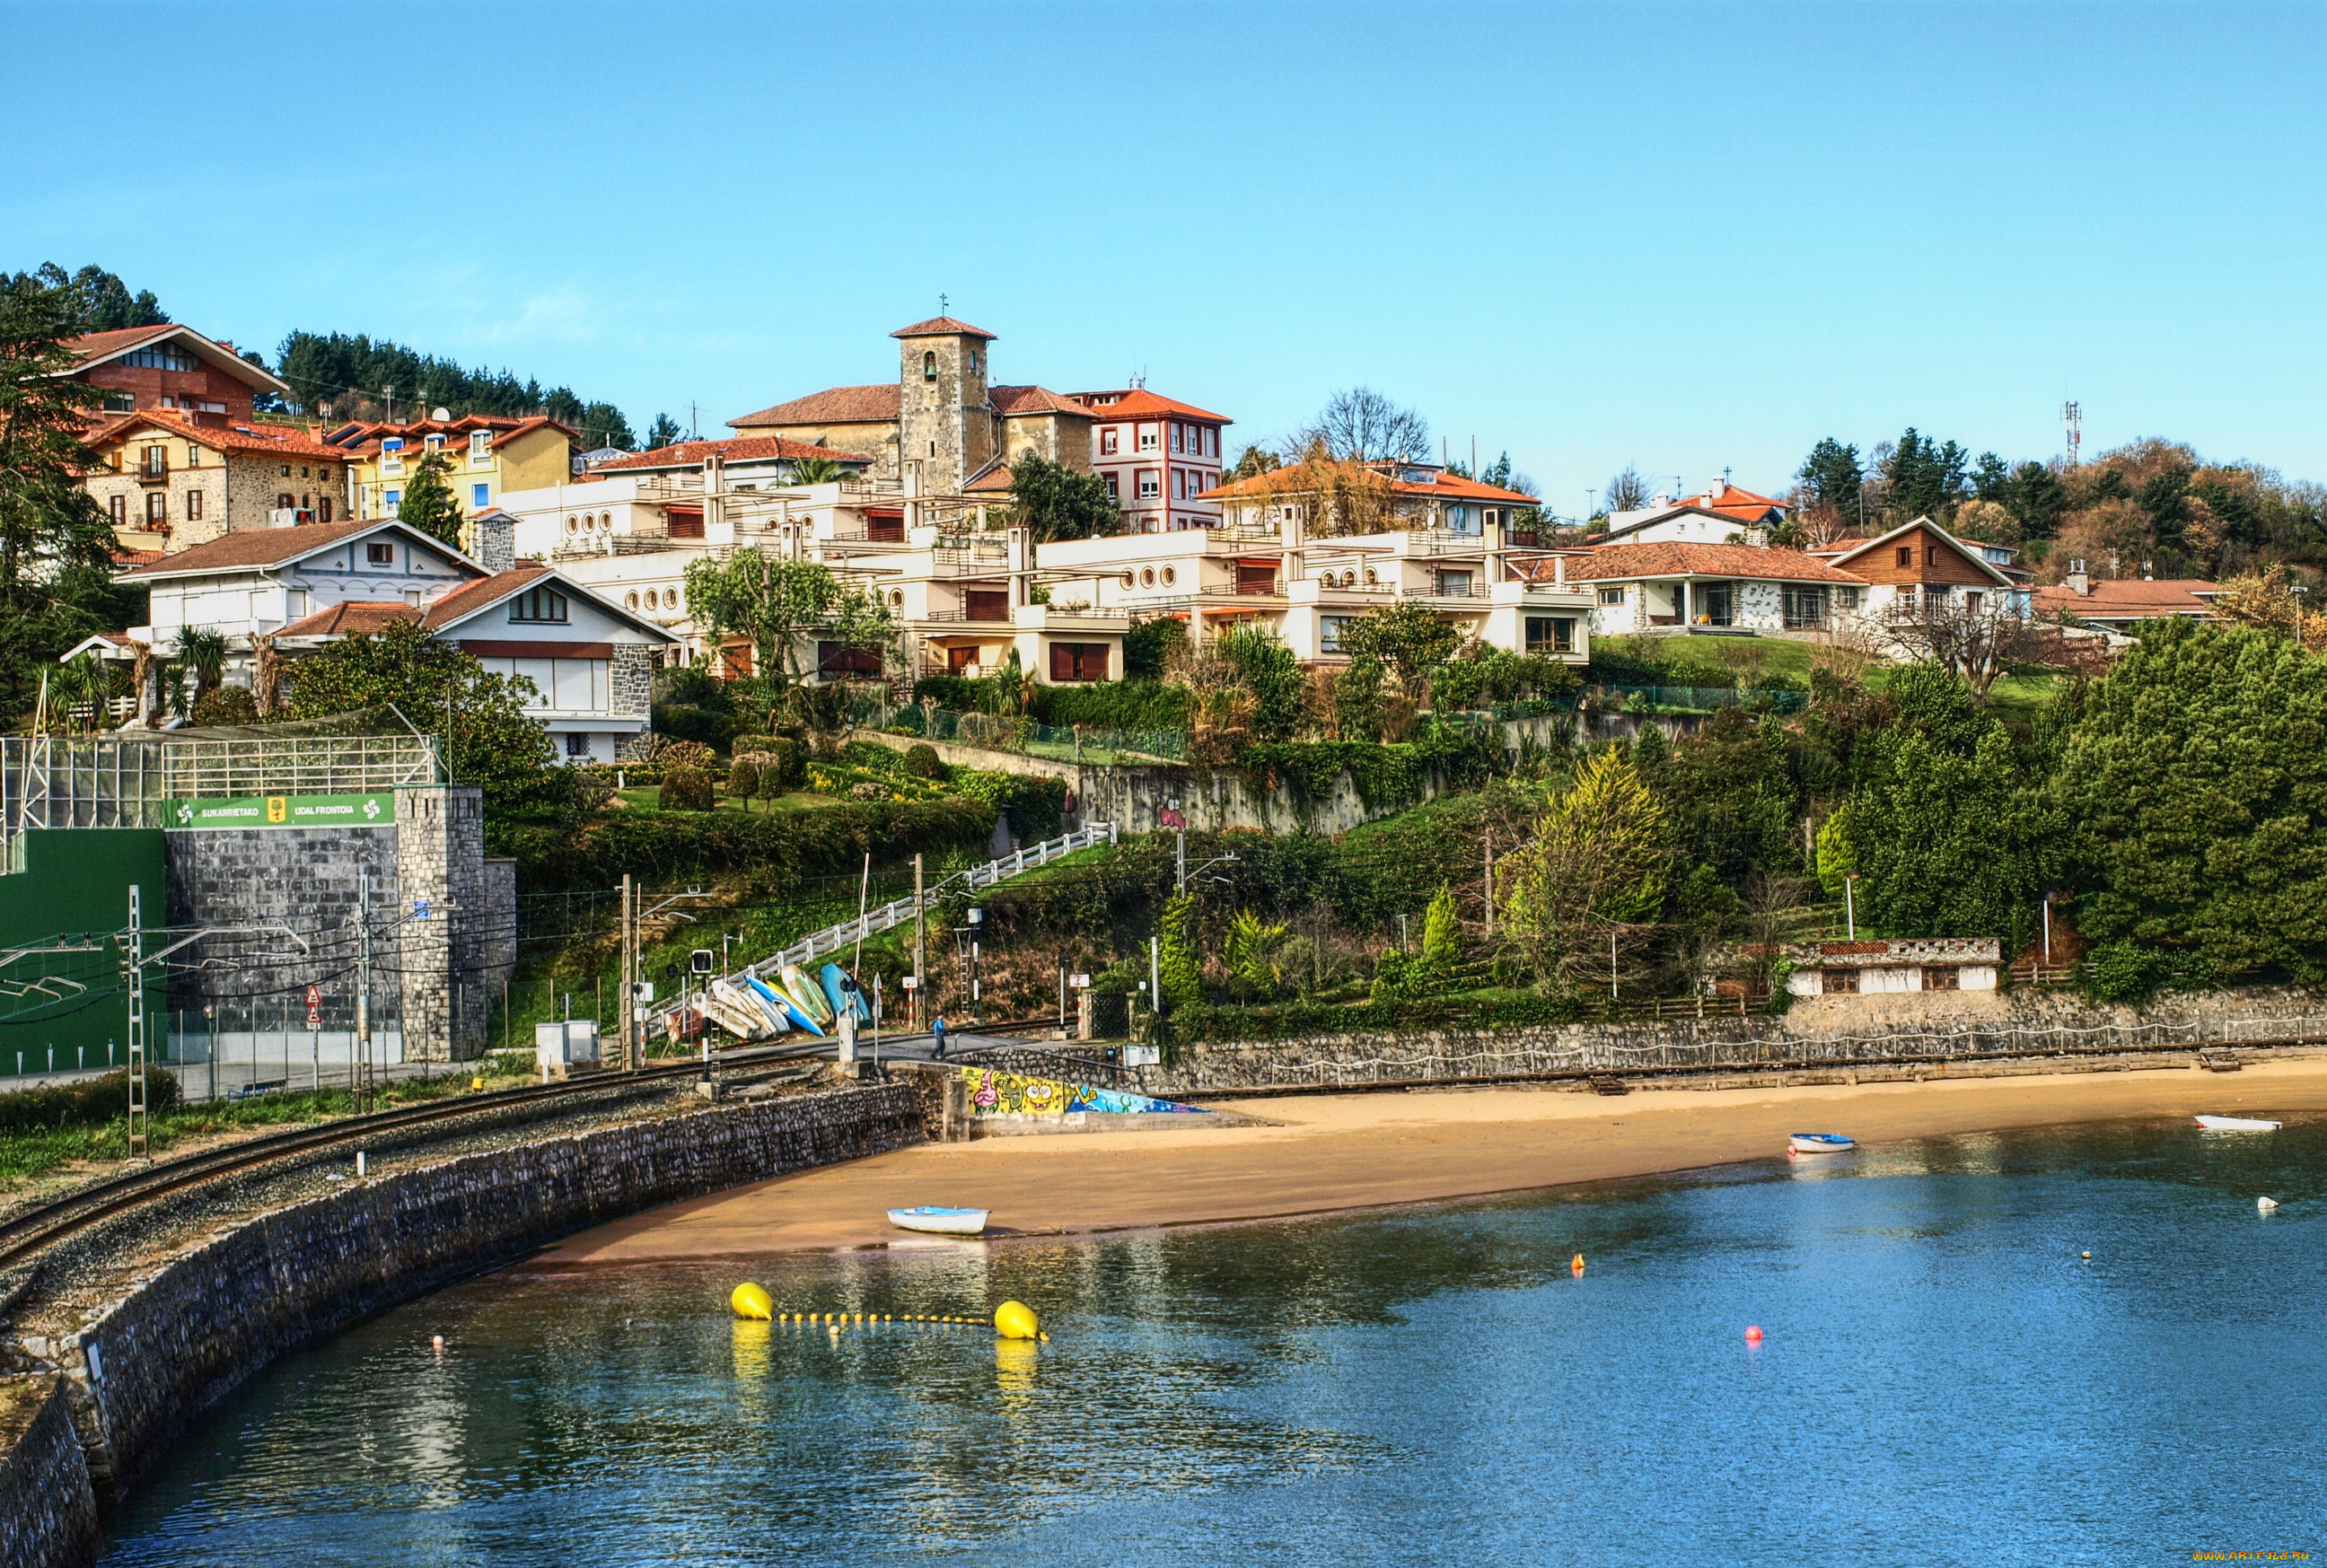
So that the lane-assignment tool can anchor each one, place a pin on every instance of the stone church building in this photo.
(942, 420)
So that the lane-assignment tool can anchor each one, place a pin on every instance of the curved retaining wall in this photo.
(144, 1366)
(48, 1516)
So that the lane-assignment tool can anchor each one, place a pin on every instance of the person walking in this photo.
(937, 1030)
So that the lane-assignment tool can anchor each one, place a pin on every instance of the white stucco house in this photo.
(302, 588)
(1648, 588)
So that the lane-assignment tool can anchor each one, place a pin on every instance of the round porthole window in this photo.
(629, 602)
(1127, 580)
(572, 527)
(1147, 576)
(1170, 576)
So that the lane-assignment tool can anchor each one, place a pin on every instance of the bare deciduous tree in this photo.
(1361, 426)
(1976, 643)
(1626, 492)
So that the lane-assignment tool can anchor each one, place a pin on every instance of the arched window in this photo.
(929, 365)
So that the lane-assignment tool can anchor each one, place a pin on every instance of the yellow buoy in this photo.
(1015, 1321)
(749, 1300)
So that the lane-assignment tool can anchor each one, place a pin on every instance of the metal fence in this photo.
(1092, 743)
(1699, 699)
(128, 781)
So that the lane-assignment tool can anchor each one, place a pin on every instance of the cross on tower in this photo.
(941, 304)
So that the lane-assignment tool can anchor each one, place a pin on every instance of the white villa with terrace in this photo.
(296, 590)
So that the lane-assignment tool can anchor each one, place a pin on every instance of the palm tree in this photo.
(83, 682)
(816, 470)
(203, 653)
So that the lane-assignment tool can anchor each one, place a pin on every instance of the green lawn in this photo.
(649, 795)
(27, 1155)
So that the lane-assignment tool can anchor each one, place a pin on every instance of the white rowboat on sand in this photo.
(2236, 1125)
(940, 1221)
(1820, 1143)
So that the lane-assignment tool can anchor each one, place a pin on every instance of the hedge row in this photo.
(90, 1102)
(1302, 1019)
(665, 845)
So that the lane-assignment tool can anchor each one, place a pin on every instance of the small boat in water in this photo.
(940, 1221)
(1820, 1143)
(2236, 1125)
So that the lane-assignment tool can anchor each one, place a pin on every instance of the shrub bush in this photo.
(947, 691)
(1035, 807)
(90, 1102)
(1139, 704)
(783, 761)
(665, 845)
(686, 789)
(922, 762)
(744, 777)
(230, 704)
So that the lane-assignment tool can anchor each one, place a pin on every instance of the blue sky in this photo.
(1690, 237)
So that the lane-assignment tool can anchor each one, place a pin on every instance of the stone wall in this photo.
(145, 1367)
(258, 884)
(630, 678)
(1926, 1027)
(48, 1512)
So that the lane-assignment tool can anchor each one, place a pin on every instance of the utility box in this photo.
(560, 1048)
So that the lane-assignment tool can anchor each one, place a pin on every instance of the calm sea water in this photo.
(1944, 1380)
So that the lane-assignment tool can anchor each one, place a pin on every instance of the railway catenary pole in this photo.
(134, 973)
(363, 989)
(921, 946)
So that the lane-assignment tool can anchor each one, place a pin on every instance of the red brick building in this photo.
(143, 369)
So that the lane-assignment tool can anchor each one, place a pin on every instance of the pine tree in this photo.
(429, 504)
(1441, 933)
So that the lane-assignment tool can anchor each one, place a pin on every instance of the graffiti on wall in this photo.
(994, 1093)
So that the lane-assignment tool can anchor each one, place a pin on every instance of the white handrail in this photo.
(897, 911)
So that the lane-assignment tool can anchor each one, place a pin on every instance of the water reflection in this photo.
(1942, 1370)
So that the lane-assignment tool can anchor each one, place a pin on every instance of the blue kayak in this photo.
(775, 998)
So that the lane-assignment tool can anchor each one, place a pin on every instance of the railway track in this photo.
(23, 1235)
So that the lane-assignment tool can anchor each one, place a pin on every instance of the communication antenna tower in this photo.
(2072, 418)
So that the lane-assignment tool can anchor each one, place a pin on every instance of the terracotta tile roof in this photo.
(1017, 400)
(1604, 562)
(358, 618)
(942, 327)
(1294, 478)
(129, 560)
(93, 345)
(834, 406)
(993, 481)
(2131, 597)
(363, 440)
(270, 440)
(1138, 403)
(470, 597)
(256, 547)
(734, 448)
(222, 356)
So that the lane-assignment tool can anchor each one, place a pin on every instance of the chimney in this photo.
(496, 540)
(2078, 583)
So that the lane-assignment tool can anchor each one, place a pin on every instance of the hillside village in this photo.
(949, 613)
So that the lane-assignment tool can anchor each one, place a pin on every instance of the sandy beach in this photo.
(1329, 1152)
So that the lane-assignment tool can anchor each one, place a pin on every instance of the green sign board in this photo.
(376, 810)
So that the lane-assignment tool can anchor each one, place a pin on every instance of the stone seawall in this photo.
(1831, 1031)
(146, 1365)
(48, 1514)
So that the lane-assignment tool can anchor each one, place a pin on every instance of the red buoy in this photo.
(1752, 1333)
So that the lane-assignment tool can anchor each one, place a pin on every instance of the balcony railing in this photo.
(153, 474)
(986, 617)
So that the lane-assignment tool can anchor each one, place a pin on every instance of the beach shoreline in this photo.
(1326, 1154)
